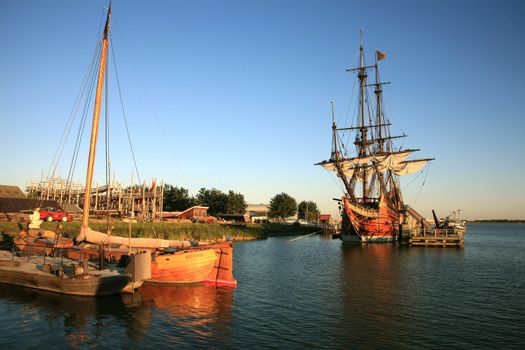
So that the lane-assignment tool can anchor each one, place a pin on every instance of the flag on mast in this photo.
(380, 55)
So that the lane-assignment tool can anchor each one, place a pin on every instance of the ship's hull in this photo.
(371, 224)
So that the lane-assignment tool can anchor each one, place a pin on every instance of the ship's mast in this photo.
(96, 120)
(378, 91)
(336, 156)
(379, 107)
(363, 142)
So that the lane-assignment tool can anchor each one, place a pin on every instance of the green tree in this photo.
(236, 203)
(307, 210)
(282, 206)
(214, 199)
(177, 198)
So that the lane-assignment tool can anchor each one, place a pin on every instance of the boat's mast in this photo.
(96, 120)
(379, 106)
(378, 91)
(336, 157)
(362, 82)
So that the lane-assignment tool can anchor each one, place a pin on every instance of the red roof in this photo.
(324, 217)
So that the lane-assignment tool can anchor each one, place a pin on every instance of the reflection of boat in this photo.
(372, 206)
(77, 313)
(67, 276)
(191, 305)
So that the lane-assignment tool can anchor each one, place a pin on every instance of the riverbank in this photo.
(175, 231)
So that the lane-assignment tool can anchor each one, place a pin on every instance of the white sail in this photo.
(396, 162)
(410, 167)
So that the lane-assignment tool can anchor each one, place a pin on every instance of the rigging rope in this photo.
(83, 120)
(159, 124)
(423, 184)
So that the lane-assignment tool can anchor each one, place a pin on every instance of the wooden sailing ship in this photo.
(172, 261)
(372, 206)
(69, 276)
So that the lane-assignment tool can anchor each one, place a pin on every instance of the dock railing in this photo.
(434, 232)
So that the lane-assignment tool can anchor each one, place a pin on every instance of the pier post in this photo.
(404, 234)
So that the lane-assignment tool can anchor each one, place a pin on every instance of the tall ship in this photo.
(372, 206)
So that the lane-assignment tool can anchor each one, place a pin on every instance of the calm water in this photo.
(310, 293)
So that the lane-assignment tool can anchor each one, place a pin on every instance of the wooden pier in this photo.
(444, 238)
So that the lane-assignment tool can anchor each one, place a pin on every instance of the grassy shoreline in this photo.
(175, 231)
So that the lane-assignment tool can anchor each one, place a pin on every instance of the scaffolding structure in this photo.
(140, 201)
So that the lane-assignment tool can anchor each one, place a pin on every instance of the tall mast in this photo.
(362, 82)
(96, 120)
(378, 91)
(336, 155)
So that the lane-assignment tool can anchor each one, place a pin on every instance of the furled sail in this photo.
(395, 162)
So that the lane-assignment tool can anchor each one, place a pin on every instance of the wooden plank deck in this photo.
(436, 238)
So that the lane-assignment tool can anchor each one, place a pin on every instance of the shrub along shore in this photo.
(175, 231)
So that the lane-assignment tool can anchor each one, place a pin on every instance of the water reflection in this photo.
(204, 311)
(83, 319)
(369, 293)
(174, 313)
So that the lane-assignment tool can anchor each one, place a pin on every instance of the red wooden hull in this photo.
(186, 266)
(212, 264)
(380, 227)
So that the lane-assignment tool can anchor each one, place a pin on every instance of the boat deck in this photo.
(35, 264)
(63, 275)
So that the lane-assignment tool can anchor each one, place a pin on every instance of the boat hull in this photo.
(27, 274)
(209, 263)
(186, 266)
(355, 239)
(373, 225)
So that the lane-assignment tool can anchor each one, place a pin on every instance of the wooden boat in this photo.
(28, 274)
(189, 263)
(72, 277)
(67, 276)
(186, 265)
(372, 206)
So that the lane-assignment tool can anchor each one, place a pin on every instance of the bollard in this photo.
(101, 256)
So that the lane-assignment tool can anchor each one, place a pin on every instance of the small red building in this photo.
(325, 219)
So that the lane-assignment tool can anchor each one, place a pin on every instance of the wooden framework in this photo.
(141, 201)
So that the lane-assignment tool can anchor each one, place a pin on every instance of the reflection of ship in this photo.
(370, 296)
(372, 207)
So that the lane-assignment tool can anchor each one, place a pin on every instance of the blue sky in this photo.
(235, 94)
